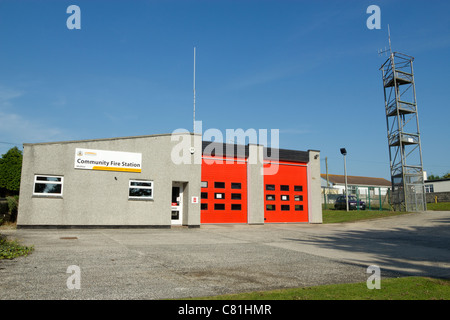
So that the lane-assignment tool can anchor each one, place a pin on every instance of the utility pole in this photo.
(344, 153)
(326, 189)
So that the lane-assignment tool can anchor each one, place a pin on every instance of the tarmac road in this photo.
(216, 259)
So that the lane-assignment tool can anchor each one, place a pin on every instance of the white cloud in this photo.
(17, 128)
(268, 75)
(8, 94)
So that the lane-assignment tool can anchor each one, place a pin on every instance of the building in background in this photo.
(364, 185)
(437, 190)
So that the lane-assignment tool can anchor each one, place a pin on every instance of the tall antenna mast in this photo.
(389, 34)
(380, 52)
(194, 91)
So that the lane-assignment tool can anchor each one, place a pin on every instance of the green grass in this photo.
(408, 288)
(10, 249)
(339, 216)
(440, 206)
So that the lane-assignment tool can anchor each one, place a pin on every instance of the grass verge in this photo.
(407, 288)
(440, 206)
(339, 216)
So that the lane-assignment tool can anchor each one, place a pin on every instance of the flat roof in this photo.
(356, 180)
(110, 139)
(219, 149)
(437, 180)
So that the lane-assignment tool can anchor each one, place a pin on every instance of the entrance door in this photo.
(177, 203)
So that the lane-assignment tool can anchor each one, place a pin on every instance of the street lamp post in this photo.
(344, 153)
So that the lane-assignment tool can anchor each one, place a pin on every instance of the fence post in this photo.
(379, 193)
(357, 198)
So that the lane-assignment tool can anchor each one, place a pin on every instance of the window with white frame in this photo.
(352, 190)
(140, 189)
(48, 185)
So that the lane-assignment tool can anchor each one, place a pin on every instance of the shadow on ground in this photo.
(419, 250)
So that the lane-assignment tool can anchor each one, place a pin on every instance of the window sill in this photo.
(138, 199)
(46, 196)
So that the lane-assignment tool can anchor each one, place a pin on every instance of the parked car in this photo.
(340, 203)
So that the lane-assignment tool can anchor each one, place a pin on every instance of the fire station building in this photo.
(165, 180)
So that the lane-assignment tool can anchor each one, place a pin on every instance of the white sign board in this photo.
(108, 160)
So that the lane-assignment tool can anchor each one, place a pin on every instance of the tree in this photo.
(10, 171)
(436, 177)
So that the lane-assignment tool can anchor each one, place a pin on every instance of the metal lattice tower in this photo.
(405, 151)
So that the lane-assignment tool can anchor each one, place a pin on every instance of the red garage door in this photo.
(285, 193)
(224, 191)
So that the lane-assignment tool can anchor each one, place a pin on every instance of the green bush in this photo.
(12, 249)
(13, 205)
(3, 208)
(10, 170)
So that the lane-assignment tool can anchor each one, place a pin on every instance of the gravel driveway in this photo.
(217, 259)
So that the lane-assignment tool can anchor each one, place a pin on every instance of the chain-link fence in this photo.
(374, 198)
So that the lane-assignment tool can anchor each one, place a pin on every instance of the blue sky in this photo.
(307, 68)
